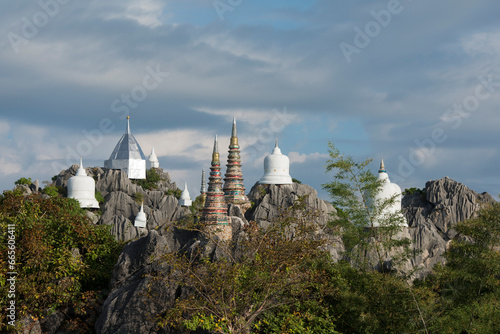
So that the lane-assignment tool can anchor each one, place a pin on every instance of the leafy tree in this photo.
(61, 259)
(51, 191)
(362, 221)
(280, 266)
(23, 180)
(469, 282)
(153, 177)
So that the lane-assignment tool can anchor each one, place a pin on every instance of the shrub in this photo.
(98, 197)
(23, 180)
(59, 255)
(153, 177)
(51, 191)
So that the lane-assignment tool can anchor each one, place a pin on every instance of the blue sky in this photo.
(414, 82)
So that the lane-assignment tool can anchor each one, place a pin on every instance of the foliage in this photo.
(280, 265)
(59, 254)
(294, 180)
(413, 191)
(98, 197)
(51, 191)
(139, 197)
(153, 178)
(469, 283)
(365, 226)
(176, 193)
(23, 180)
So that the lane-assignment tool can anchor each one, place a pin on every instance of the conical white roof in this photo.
(140, 219)
(185, 199)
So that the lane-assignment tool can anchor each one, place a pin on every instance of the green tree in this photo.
(280, 266)
(23, 180)
(469, 283)
(61, 258)
(362, 221)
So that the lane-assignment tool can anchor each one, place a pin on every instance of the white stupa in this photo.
(152, 161)
(128, 156)
(389, 190)
(276, 168)
(82, 188)
(140, 219)
(185, 199)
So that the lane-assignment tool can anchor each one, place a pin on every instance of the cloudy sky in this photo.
(415, 82)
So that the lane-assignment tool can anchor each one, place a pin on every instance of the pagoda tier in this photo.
(215, 209)
(234, 189)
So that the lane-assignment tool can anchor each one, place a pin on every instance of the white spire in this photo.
(185, 199)
(128, 125)
(152, 161)
(203, 189)
(276, 149)
(140, 219)
(382, 167)
(81, 170)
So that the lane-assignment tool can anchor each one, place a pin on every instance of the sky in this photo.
(415, 82)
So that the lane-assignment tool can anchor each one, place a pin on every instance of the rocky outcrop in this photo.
(269, 200)
(432, 214)
(123, 198)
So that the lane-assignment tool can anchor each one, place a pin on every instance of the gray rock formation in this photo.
(123, 199)
(432, 214)
(269, 200)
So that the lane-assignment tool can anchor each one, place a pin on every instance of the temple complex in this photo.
(234, 189)
(276, 168)
(82, 188)
(128, 156)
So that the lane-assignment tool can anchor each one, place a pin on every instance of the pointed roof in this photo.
(276, 149)
(153, 156)
(127, 147)
(215, 154)
(185, 193)
(234, 132)
(382, 167)
(81, 171)
(140, 219)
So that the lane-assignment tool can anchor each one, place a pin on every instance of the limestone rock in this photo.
(270, 199)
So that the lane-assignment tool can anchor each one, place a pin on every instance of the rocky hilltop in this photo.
(122, 201)
(431, 214)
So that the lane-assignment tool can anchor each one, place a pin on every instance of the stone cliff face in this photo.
(123, 201)
(432, 214)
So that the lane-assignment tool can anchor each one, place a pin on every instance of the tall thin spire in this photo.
(215, 154)
(234, 132)
(128, 124)
(81, 170)
(382, 167)
(234, 189)
(203, 189)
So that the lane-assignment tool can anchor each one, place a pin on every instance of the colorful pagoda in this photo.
(234, 189)
(215, 209)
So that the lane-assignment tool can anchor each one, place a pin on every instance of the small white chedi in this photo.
(388, 191)
(128, 156)
(276, 168)
(185, 199)
(152, 161)
(140, 219)
(82, 188)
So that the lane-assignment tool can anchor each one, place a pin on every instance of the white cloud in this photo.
(300, 158)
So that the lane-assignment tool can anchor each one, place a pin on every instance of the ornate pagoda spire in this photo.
(215, 209)
(382, 167)
(234, 189)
